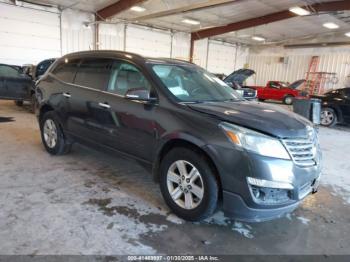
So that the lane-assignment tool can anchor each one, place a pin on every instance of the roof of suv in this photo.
(121, 54)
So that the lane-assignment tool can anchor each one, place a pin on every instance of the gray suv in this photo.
(200, 139)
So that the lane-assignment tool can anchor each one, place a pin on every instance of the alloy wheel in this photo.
(327, 117)
(185, 184)
(50, 133)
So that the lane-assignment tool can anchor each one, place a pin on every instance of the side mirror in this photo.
(140, 94)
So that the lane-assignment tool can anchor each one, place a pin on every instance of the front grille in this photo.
(249, 93)
(302, 150)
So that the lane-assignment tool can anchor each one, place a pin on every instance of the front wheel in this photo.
(328, 117)
(288, 100)
(52, 135)
(188, 184)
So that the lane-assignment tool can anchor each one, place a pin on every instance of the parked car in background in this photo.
(18, 82)
(281, 91)
(198, 136)
(220, 76)
(15, 84)
(236, 81)
(335, 107)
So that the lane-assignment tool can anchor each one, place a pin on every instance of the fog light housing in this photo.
(270, 192)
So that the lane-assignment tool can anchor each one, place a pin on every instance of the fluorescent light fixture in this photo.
(191, 21)
(331, 25)
(137, 8)
(244, 36)
(347, 34)
(299, 11)
(258, 38)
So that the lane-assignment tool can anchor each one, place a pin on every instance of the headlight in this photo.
(254, 141)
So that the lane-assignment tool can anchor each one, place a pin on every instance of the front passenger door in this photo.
(131, 124)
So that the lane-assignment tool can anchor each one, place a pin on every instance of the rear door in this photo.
(14, 84)
(271, 91)
(86, 117)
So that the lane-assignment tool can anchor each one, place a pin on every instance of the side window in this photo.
(42, 67)
(274, 85)
(8, 71)
(126, 76)
(66, 70)
(94, 73)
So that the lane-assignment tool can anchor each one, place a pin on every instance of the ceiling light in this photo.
(191, 21)
(331, 25)
(137, 8)
(243, 36)
(299, 11)
(258, 38)
(347, 34)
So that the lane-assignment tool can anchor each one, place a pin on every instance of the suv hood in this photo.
(239, 76)
(269, 119)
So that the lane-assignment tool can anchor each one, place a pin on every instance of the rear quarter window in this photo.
(66, 70)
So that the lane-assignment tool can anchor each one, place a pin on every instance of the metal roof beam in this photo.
(116, 8)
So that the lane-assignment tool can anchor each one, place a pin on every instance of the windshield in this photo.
(193, 84)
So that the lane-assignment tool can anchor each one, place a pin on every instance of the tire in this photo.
(328, 117)
(288, 100)
(261, 100)
(52, 136)
(19, 102)
(200, 208)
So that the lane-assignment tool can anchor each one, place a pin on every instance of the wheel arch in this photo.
(44, 109)
(337, 111)
(185, 143)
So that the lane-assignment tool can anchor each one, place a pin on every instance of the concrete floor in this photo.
(92, 203)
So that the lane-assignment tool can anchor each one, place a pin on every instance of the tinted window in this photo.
(8, 71)
(94, 73)
(43, 66)
(125, 77)
(66, 70)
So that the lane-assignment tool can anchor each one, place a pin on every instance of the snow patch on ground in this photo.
(304, 220)
(243, 229)
(220, 220)
(174, 219)
(335, 145)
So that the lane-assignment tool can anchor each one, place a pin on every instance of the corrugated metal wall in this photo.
(295, 66)
(219, 57)
(77, 33)
(27, 35)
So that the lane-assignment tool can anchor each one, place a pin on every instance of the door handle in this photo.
(66, 95)
(104, 105)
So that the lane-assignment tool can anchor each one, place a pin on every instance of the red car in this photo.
(275, 90)
(281, 91)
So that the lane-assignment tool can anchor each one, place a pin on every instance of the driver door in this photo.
(14, 85)
(272, 91)
(129, 125)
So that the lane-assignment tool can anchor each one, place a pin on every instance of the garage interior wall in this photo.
(142, 40)
(28, 35)
(38, 33)
(268, 64)
(77, 31)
